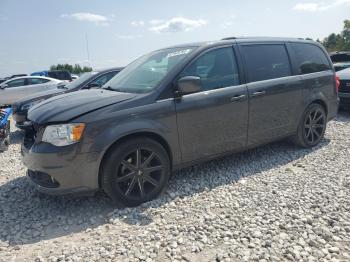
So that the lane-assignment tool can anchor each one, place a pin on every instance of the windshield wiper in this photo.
(108, 88)
(112, 89)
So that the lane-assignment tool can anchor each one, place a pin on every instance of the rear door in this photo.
(275, 96)
(214, 120)
(35, 85)
(317, 73)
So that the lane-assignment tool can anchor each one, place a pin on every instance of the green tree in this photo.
(76, 69)
(339, 42)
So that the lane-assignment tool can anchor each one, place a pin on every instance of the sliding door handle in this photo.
(258, 93)
(238, 98)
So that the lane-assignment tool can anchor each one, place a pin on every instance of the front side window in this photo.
(101, 80)
(216, 68)
(266, 62)
(17, 82)
(310, 58)
(78, 82)
(144, 74)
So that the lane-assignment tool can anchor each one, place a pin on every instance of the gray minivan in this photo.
(176, 107)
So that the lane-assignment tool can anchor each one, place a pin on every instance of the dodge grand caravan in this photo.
(176, 107)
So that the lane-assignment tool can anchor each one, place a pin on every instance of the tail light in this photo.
(337, 82)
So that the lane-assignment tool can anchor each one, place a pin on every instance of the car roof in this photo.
(232, 40)
(40, 77)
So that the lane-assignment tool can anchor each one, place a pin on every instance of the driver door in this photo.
(215, 120)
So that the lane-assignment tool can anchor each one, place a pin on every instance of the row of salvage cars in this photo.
(19, 94)
(23, 97)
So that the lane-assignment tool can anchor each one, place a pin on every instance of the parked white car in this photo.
(18, 88)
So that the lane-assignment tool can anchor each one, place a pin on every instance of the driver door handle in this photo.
(259, 93)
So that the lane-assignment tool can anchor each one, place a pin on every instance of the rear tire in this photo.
(312, 126)
(135, 171)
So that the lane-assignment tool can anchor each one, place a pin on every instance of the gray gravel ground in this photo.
(273, 203)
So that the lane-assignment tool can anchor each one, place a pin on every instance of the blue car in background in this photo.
(57, 74)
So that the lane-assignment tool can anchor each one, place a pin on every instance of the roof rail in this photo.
(229, 38)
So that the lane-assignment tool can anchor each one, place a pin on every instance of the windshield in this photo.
(144, 74)
(77, 82)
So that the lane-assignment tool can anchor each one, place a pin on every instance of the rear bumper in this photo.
(333, 107)
(60, 170)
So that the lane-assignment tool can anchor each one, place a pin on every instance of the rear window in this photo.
(266, 62)
(36, 81)
(310, 58)
(339, 58)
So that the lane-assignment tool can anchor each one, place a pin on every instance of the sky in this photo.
(36, 33)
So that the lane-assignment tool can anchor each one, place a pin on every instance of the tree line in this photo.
(338, 42)
(76, 69)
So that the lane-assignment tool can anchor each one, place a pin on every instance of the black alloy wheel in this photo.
(136, 171)
(139, 173)
(315, 125)
(312, 126)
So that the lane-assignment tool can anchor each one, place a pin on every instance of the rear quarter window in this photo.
(310, 58)
(36, 81)
(266, 61)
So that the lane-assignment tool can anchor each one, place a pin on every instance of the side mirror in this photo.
(93, 85)
(189, 85)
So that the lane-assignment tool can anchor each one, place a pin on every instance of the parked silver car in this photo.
(18, 88)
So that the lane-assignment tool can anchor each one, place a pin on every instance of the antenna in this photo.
(87, 48)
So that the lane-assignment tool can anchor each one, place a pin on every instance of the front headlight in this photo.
(63, 135)
(28, 106)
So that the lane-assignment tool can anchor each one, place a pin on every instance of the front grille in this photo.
(29, 136)
(344, 86)
(43, 179)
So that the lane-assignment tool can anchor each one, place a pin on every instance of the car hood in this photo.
(344, 74)
(68, 106)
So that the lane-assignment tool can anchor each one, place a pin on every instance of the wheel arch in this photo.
(321, 103)
(146, 134)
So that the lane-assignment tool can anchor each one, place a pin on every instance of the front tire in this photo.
(312, 126)
(135, 171)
